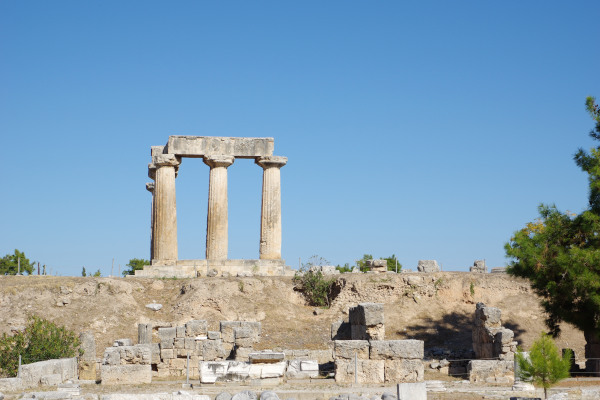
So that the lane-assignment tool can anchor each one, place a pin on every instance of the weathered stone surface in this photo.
(144, 333)
(211, 371)
(404, 370)
(413, 391)
(11, 384)
(269, 395)
(479, 267)
(270, 223)
(130, 374)
(324, 269)
(245, 395)
(31, 374)
(274, 370)
(213, 350)
(214, 335)
(369, 371)
(299, 369)
(345, 349)
(138, 354)
(167, 333)
(227, 329)
(239, 147)
(340, 330)
(154, 306)
(266, 357)
(88, 345)
(491, 371)
(428, 266)
(123, 342)
(366, 314)
(394, 349)
(196, 328)
(237, 371)
(223, 396)
(487, 316)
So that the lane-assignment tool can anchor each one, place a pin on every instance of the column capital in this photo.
(165, 160)
(218, 161)
(152, 171)
(271, 161)
(150, 187)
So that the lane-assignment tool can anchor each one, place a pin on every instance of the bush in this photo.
(316, 288)
(41, 340)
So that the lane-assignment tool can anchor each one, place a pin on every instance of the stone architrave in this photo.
(164, 212)
(270, 223)
(217, 219)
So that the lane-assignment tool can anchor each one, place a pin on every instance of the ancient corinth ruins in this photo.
(218, 153)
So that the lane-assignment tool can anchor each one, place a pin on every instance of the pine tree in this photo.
(544, 366)
(560, 254)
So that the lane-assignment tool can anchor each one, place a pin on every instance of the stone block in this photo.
(180, 331)
(214, 335)
(51, 380)
(11, 384)
(242, 353)
(179, 343)
(369, 371)
(479, 267)
(404, 370)
(340, 330)
(212, 350)
(227, 329)
(212, 371)
(265, 357)
(167, 344)
(167, 354)
(273, 370)
(189, 344)
(487, 316)
(237, 371)
(489, 371)
(125, 374)
(144, 333)
(413, 391)
(504, 336)
(345, 349)
(366, 314)
(428, 266)
(122, 342)
(395, 349)
(112, 356)
(228, 146)
(155, 353)
(87, 370)
(88, 345)
(196, 328)
(167, 333)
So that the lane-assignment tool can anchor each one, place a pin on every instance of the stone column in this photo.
(270, 221)
(217, 219)
(164, 215)
(150, 188)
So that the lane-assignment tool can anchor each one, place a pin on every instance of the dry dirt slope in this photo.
(437, 308)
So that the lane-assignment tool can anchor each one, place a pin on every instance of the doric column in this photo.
(150, 188)
(164, 210)
(270, 220)
(216, 221)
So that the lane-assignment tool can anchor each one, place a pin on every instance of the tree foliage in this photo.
(9, 264)
(560, 252)
(135, 264)
(544, 366)
(41, 340)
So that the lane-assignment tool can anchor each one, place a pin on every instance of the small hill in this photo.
(437, 308)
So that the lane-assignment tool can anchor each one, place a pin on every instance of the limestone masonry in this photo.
(218, 153)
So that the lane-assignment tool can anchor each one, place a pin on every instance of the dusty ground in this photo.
(436, 308)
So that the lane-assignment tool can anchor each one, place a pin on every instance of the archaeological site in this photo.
(215, 328)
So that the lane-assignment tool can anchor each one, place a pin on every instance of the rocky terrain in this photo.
(437, 308)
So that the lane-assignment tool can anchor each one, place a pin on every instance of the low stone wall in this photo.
(379, 361)
(48, 373)
(126, 364)
(491, 371)
(367, 322)
(490, 339)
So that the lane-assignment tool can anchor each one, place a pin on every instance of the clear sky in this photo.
(430, 129)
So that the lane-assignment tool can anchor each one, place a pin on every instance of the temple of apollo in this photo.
(218, 153)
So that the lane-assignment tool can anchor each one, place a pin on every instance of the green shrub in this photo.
(544, 366)
(41, 340)
(316, 288)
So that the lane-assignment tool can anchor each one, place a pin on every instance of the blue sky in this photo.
(431, 130)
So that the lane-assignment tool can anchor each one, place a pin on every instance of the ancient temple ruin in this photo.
(218, 153)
